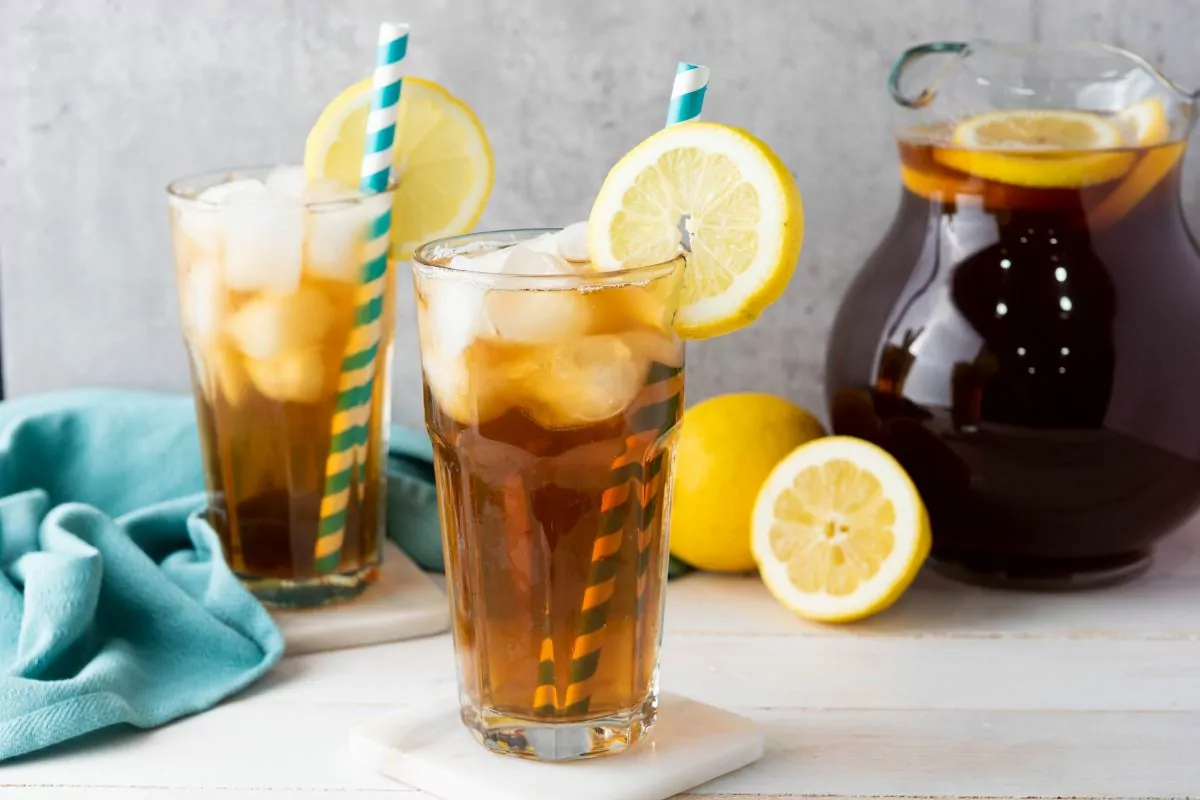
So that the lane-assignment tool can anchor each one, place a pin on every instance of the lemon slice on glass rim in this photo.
(741, 209)
(1046, 148)
(442, 162)
(838, 531)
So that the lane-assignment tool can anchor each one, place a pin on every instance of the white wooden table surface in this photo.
(954, 692)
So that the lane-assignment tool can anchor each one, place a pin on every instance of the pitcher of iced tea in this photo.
(1025, 339)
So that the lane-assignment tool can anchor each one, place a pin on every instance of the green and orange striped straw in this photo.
(346, 462)
(634, 485)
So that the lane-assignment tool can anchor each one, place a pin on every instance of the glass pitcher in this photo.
(1025, 339)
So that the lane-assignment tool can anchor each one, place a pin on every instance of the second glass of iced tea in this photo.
(270, 282)
(553, 395)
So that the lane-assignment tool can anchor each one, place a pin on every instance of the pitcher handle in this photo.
(912, 54)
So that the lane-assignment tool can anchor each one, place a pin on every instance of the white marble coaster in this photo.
(402, 604)
(430, 749)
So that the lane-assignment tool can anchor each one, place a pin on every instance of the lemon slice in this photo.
(839, 531)
(742, 212)
(1045, 148)
(1147, 122)
(442, 159)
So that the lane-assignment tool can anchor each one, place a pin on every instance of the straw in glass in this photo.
(351, 423)
(633, 486)
(687, 94)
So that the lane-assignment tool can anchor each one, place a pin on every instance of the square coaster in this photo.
(402, 604)
(429, 748)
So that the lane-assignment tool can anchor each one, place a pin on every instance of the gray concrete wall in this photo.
(101, 102)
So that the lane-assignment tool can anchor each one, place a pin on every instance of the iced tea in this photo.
(269, 281)
(553, 395)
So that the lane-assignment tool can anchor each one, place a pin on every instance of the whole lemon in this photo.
(728, 446)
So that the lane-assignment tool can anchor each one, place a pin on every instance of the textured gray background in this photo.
(102, 102)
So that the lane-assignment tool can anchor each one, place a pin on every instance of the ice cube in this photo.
(589, 380)
(655, 345)
(543, 244)
(491, 262)
(289, 182)
(264, 236)
(296, 376)
(523, 260)
(333, 242)
(270, 324)
(201, 303)
(226, 373)
(549, 316)
(221, 193)
(327, 190)
(200, 225)
(455, 315)
(572, 242)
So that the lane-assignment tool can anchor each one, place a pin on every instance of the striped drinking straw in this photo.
(687, 95)
(346, 463)
(634, 485)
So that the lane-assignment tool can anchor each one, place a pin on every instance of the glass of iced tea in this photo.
(269, 272)
(553, 395)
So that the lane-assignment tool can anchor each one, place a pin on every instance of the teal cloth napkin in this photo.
(115, 604)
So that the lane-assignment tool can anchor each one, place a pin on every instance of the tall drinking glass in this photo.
(553, 402)
(269, 288)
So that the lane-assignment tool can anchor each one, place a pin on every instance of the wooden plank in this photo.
(863, 673)
(242, 745)
(830, 672)
(841, 753)
(971, 754)
(1159, 605)
(177, 793)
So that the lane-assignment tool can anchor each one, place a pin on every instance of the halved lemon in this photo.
(1046, 148)
(839, 531)
(741, 210)
(442, 159)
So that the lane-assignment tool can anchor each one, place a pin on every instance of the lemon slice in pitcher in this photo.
(1148, 123)
(839, 531)
(442, 162)
(1047, 148)
(741, 209)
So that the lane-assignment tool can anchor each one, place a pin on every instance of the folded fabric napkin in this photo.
(115, 605)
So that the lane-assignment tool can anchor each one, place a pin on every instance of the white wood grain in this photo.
(1162, 604)
(177, 793)
(242, 745)
(831, 672)
(973, 753)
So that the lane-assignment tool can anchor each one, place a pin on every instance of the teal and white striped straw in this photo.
(687, 95)
(352, 422)
(627, 491)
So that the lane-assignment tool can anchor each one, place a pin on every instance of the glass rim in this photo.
(422, 258)
(176, 192)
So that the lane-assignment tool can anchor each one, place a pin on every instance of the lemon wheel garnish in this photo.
(442, 159)
(741, 209)
(1045, 148)
(839, 530)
